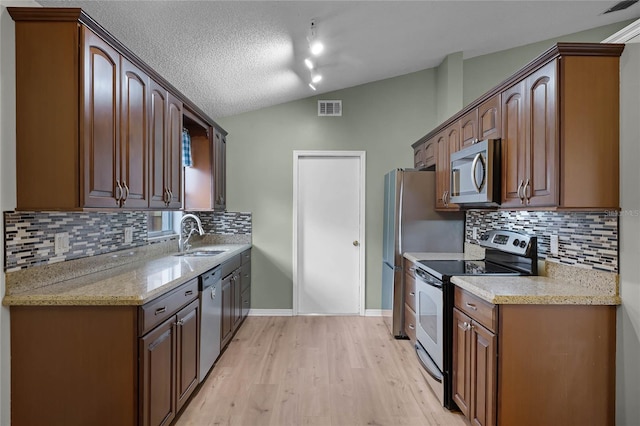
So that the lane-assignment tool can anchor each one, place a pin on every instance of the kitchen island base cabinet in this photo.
(533, 364)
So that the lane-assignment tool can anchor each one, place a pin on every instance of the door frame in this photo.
(361, 155)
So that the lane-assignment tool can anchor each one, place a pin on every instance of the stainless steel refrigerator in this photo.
(411, 224)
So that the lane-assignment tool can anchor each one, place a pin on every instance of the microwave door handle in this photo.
(474, 166)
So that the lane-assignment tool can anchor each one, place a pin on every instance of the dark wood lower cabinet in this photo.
(157, 375)
(533, 364)
(227, 311)
(105, 365)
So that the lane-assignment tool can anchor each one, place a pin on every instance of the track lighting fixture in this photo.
(316, 48)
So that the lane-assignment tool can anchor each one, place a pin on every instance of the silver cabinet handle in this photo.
(411, 293)
(118, 192)
(412, 327)
(526, 191)
(518, 191)
(161, 310)
(188, 292)
(471, 306)
(166, 196)
(180, 323)
(126, 192)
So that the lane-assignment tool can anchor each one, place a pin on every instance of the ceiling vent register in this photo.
(329, 108)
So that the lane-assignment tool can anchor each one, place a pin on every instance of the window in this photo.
(159, 224)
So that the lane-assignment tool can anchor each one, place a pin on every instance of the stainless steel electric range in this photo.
(506, 253)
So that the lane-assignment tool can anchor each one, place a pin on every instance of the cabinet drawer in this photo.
(231, 265)
(480, 310)
(156, 311)
(245, 273)
(246, 302)
(410, 291)
(410, 322)
(246, 256)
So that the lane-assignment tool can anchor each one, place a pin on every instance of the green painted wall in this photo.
(381, 118)
(482, 73)
(450, 92)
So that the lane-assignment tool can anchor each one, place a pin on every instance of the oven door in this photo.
(429, 312)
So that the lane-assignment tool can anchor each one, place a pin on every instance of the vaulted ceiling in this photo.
(231, 57)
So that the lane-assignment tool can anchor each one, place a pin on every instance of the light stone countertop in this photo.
(534, 290)
(135, 283)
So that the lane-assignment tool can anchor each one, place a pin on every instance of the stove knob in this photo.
(516, 242)
(523, 244)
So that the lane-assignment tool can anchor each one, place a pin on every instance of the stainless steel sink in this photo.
(200, 253)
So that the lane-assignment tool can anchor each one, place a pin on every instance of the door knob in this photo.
(356, 243)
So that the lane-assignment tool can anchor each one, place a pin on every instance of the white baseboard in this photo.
(270, 312)
(373, 312)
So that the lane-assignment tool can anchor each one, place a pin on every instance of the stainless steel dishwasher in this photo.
(210, 317)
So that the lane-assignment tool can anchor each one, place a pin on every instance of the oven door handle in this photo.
(428, 279)
(428, 363)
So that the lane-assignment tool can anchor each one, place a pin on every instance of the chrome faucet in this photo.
(184, 245)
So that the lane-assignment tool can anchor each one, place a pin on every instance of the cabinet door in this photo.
(134, 136)
(157, 375)
(489, 119)
(461, 386)
(173, 151)
(237, 300)
(418, 157)
(513, 145)
(158, 195)
(442, 170)
(100, 122)
(484, 368)
(220, 171)
(188, 332)
(542, 148)
(227, 310)
(469, 129)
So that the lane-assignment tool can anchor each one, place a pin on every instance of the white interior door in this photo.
(328, 233)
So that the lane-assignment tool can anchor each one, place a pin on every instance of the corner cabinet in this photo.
(109, 132)
(533, 364)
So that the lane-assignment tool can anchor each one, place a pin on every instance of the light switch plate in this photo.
(554, 245)
(128, 235)
(61, 242)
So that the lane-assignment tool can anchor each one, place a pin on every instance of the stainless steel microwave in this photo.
(475, 174)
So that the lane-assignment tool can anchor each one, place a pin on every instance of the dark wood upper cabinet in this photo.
(134, 136)
(158, 133)
(448, 142)
(220, 171)
(559, 126)
(100, 123)
(113, 125)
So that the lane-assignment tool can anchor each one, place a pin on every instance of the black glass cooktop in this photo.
(441, 268)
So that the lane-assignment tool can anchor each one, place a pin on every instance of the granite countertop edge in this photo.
(88, 290)
(533, 291)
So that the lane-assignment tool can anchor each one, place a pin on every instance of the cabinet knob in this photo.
(356, 243)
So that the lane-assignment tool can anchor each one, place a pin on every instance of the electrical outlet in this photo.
(61, 242)
(554, 245)
(475, 233)
(128, 235)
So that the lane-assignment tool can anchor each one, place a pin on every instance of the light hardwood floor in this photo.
(312, 370)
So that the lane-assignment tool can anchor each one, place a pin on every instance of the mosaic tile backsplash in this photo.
(585, 239)
(29, 236)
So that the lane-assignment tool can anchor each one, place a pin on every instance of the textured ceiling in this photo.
(235, 56)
